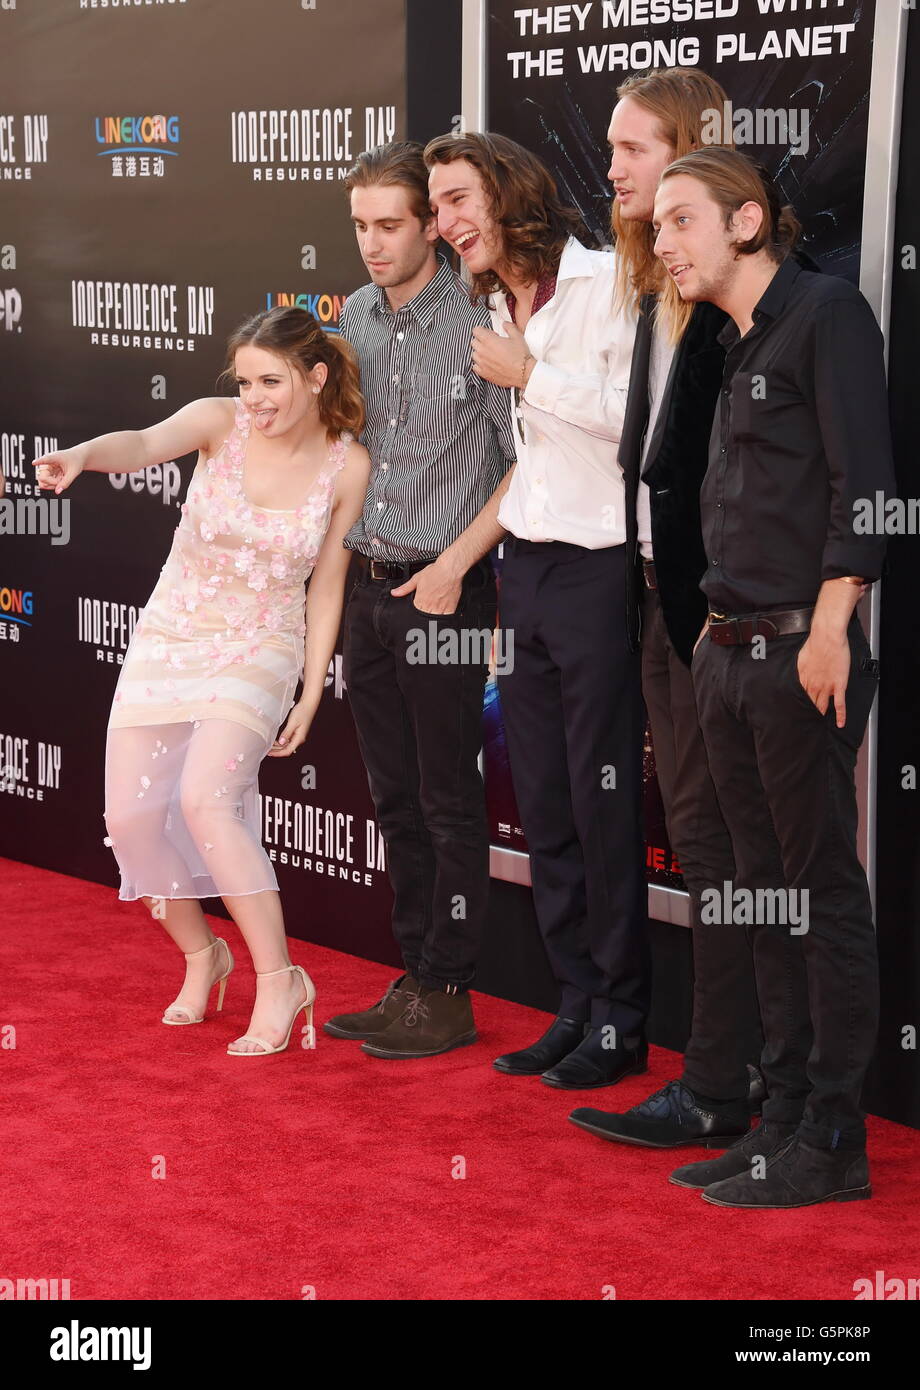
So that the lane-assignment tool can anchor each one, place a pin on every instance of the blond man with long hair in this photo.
(676, 375)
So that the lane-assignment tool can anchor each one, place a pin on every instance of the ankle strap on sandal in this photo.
(265, 974)
(190, 955)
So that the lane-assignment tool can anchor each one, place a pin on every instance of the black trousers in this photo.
(784, 775)
(726, 1034)
(419, 731)
(574, 721)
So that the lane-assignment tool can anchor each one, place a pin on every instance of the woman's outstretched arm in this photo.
(195, 426)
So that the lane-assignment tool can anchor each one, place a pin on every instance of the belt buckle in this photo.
(382, 564)
(725, 623)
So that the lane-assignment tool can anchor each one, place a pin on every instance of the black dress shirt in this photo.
(801, 433)
(439, 436)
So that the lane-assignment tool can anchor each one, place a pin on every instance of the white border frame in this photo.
(876, 266)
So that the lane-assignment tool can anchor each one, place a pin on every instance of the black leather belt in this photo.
(390, 571)
(737, 632)
(651, 579)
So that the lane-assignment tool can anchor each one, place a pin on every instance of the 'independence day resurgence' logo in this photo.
(23, 143)
(132, 313)
(27, 770)
(313, 143)
(126, 4)
(138, 146)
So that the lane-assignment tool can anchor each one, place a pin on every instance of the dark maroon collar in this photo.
(546, 288)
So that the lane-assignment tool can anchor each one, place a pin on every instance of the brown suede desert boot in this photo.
(376, 1019)
(431, 1022)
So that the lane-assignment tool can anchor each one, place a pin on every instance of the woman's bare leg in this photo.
(218, 777)
(184, 921)
(143, 764)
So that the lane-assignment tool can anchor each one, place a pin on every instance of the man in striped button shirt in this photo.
(417, 628)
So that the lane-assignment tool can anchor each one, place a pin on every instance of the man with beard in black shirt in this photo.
(782, 672)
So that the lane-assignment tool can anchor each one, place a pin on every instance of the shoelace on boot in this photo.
(391, 989)
(753, 1142)
(787, 1150)
(413, 1009)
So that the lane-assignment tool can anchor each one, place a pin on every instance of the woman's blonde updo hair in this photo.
(297, 337)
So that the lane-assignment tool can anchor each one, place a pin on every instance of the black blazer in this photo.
(676, 463)
(675, 466)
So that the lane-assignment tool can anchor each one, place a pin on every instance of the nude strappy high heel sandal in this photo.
(307, 1006)
(222, 981)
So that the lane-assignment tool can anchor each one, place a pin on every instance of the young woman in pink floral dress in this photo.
(222, 644)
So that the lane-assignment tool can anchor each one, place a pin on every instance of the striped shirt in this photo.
(439, 436)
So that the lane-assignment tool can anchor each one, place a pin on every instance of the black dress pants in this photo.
(726, 1034)
(784, 776)
(574, 722)
(419, 726)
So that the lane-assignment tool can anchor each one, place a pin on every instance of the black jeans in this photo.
(419, 731)
(574, 721)
(726, 1034)
(784, 775)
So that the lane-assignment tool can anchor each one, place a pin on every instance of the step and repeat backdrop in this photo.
(167, 168)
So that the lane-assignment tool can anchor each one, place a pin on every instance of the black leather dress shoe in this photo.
(797, 1175)
(669, 1119)
(560, 1038)
(592, 1064)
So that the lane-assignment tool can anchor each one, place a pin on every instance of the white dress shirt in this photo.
(568, 485)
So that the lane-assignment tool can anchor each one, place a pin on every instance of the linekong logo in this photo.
(326, 308)
(137, 134)
(16, 605)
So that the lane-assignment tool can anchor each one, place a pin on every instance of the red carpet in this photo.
(333, 1170)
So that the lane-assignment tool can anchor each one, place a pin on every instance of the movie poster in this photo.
(797, 76)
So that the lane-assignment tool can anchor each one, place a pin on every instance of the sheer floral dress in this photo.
(209, 677)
